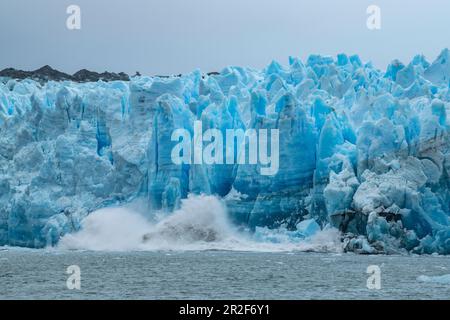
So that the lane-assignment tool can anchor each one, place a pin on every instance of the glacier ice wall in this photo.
(361, 150)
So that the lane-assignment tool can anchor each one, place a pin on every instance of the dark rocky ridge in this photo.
(91, 76)
(47, 73)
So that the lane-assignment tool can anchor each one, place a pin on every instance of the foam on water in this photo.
(200, 224)
(444, 279)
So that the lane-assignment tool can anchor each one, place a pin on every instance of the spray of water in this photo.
(200, 224)
(111, 229)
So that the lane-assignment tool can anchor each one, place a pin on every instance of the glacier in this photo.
(362, 150)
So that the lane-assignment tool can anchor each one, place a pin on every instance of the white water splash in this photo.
(200, 224)
(111, 229)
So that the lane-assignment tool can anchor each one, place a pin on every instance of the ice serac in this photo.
(361, 150)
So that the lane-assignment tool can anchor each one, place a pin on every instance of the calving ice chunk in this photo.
(324, 144)
(240, 147)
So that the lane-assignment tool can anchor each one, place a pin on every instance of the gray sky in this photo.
(177, 36)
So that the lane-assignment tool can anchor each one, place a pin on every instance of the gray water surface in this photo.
(39, 274)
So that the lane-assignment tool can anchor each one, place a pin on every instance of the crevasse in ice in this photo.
(361, 150)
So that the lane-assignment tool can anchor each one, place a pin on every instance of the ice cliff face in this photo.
(362, 150)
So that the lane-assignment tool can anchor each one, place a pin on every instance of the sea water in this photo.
(212, 274)
(195, 253)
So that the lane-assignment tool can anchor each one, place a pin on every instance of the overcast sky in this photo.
(177, 36)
